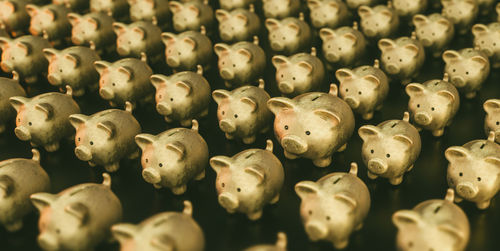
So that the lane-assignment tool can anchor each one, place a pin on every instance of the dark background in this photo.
(235, 232)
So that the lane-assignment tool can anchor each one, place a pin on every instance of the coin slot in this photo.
(482, 146)
(315, 98)
(248, 156)
(395, 124)
(337, 180)
(437, 209)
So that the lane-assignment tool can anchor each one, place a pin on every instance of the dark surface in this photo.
(235, 232)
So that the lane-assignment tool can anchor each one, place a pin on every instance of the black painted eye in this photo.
(147, 160)
(60, 70)
(359, 92)
(310, 212)
(91, 143)
(58, 231)
(498, 123)
(372, 151)
(466, 73)
(281, 75)
(461, 174)
(283, 38)
(179, 53)
(19, 120)
(223, 185)
(478, 178)
(238, 189)
(388, 58)
(235, 116)
(234, 65)
(327, 218)
(286, 127)
(400, 60)
(171, 99)
(340, 49)
(454, 70)
(78, 139)
(388, 155)
(113, 84)
(160, 96)
(308, 133)
(418, 105)
(293, 78)
(223, 112)
(30, 124)
(410, 244)
(432, 108)
(160, 165)
(346, 90)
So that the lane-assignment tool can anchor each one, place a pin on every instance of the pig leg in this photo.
(368, 115)
(409, 168)
(52, 147)
(340, 244)
(134, 155)
(438, 132)
(458, 199)
(265, 129)
(342, 148)
(201, 175)
(371, 175)
(227, 84)
(275, 199)
(470, 95)
(113, 167)
(187, 122)
(396, 180)
(78, 92)
(255, 215)
(204, 113)
(483, 205)
(290, 155)
(359, 226)
(179, 190)
(168, 120)
(229, 136)
(323, 162)
(14, 226)
(33, 144)
(30, 79)
(92, 164)
(249, 140)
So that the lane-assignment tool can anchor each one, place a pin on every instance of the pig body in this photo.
(378, 22)
(19, 178)
(113, 8)
(390, 148)
(187, 50)
(248, 181)
(14, 16)
(191, 15)
(182, 96)
(486, 39)
(408, 8)
(237, 25)
(432, 225)
(298, 74)
(334, 206)
(73, 66)
(280, 9)
(94, 29)
(77, 218)
(49, 21)
(280, 245)
(468, 69)
(106, 137)
(155, 11)
(240, 63)
(43, 119)
(434, 31)
(162, 231)
(462, 13)
(234, 4)
(364, 88)
(328, 13)
(344, 46)
(8, 88)
(139, 39)
(243, 113)
(313, 125)
(288, 36)
(492, 119)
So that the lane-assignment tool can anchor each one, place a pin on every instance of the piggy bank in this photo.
(240, 63)
(408, 8)
(473, 170)
(298, 74)
(74, 5)
(234, 4)
(434, 31)
(248, 181)
(492, 119)
(140, 39)
(113, 8)
(279, 246)
(8, 88)
(237, 25)
(14, 16)
(328, 13)
(433, 104)
(243, 113)
(106, 137)
(432, 225)
(23, 56)
(187, 50)
(94, 29)
(390, 148)
(191, 15)
(313, 125)
(185, 146)
(485, 6)
(355, 4)
(486, 38)
(288, 36)
(468, 68)
(182, 96)
(73, 66)
(43, 119)
(19, 178)
(163, 231)
(155, 11)
(462, 13)
(334, 206)
(124, 80)
(364, 88)
(49, 21)
(344, 46)
(402, 58)
(378, 22)
(280, 9)
(77, 218)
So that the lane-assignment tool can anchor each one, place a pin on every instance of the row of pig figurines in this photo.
(83, 216)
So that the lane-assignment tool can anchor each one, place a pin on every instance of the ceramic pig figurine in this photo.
(234, 4)
(485, 6)
(14, 16)
(298, 74)
(19, 178)
(140, 39)
(289, 36)
(191, 15)
(49, 21)
(468, 68)
(243, 113)
(237, 25)
(163, 231)
(486, 39)
(240, 63)
(94, 29)
(74, 5)
(344, 46)
(280, 9)
(124, 80)
(24, 57)
(402, 58)
(334, 206)
(280, 245)
(182, 96)
(473, 170)
(77, 218)
(433, 104)
(462, 13)
(113, 8)
(249, 180)
(187, 50)
(106, 137)
(390, 148)
(408, 8)
(434, 31)
(364, 88)
(43, 119)
(174, 157)
(492, 119)
(328, 13)
(313, 125)
(432, 225)
(73, 66)
(378, 22)
(8, 88)
(154, 11)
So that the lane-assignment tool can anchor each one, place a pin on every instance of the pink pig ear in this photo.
(483, 62)
(405, 218)
(479, 29)
(123, 231)
(351, 37)
(101, 66)
(46, 109)
(280, 103)
(119, 28)
(306, 66)
(157, 80)
(74, 18)
(493, 160)
(450, 55)
(50, 14)
(250, 102)
(387, 13)
(79, 211)
(18, 101)
(6, 186)
(306, 188)
(140, 32)
(49, 53)
(272, 24)
(195, 10)
(364, 11)
(343, 74)
(73, 59)
(108, 127)
(221, 48)
(347, 200)
(329, 116)
(256, 172)
(221, 15)
(403, 139)
(414, 89)
(178, 148)
(42, 200)
(491, 105)
(175, 6)
(295, 28)
(386, 44)
(126, 71)
(326, 34)
(312, 4)
(77, 119)
(31, 9)
(453, 232)
(419, 20)
(446, 23)
(456, 153)
(163, 242)
(143, 140)
(4, 42)
(373, 80)
(413, 49)
(246, 54)
(367, 132)
(447, 95)
(25, 47)
(279, 61)
(220, 95)
(219, 162)
(189, 41)
(185, 86)
(167, 37)
(242, 18)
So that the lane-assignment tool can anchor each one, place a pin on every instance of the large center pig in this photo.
(289, 36)
(49, 21)
(344, 46)
(94, 29)
(14, 16)
(139, 39)
(187, 50)
(8, 88)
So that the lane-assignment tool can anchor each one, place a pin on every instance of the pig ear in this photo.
(140, 32)
(387, 13)
(127, 71)
(73, 59)
(18, 101)
(328, 116)
(79, 211)
(51, 14)
(221, 48)
(167, 37)
(479, 29)
(279, 103)
(483, 63)
(445, 22)
(220, 95)
(190, 42)
(242, 18)
(346, 199)
(279, 61)
(4, 42)
(250, 102)
(368, 131)
(144, 139)
(414, 50)
(186, 87)
(49, 53)
(306, 188)
(256, 172)
(326, 34)
(157, 80)
(351, 38)
(46, 109)
(385, 44)
(272, 24)
(364, 11)
(491, 105)
(178, 148)
(456, 153)
(175, 6)
(108, 127)
(493, 160)
(100, 66)
(77, 119)
(74, 18)
(450, 55)
(221, 15)
(194, 9)
(42, 200)
(414, 89)
(31, 9)
(219, 162)
(6, 186)
(123, 231)
(245, 53)
(446, 94)
(295, 28)
(453, 232)
(404, 139)
(373, 80)
(25, 47)
(311, 4)
(119, 28)
(472, 3)
(405, 218)
(334, 5)
(163, 242)
(306, 66)
(419, 20)
(343, 74)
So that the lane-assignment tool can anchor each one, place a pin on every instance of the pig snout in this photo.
(294, 144)
(227, 126)
(317, 23)
(488, 51)
(226, 35)
(226, 74)
(7, 65)
(173, 61)
(48, 242)
(458, 81)
(151, 175)
(83, 153)
(370, 32)
(164, 109)
(422, 118)
(228, 201)
(22, 133)
(316, 231)
(352, 102)
(467, 190)
(332, 57)
(77, 40)
(426, 42)
(106, 93)
(277, 46)
(122, 50)
(377, 166)
(179, 26)
(54, 79)
(285, 87)
(393, 69)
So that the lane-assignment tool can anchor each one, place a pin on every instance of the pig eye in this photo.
(223, 185)
(359, 92)
(494, 44)
(147, 160)
(388, 58)
(340, 49)
(478, 178)
(19, 120)
(461, 174)
(282, 76)
(454, 70)
(432, 108)
(113, 84)
(223, 112)
(308, 133)
(498, 122)
(171, 99)
(310, 212)
(13, 58)
(346, 90)
(223, 63)
(160, 96)
(58, 231)
(327, 218)
(234, 65)
(78, 139)
(293, 78)
(433, 34)
(283, 38)
(328, 46)
(238, 189)
(160, 165)
(400, 60)
(178, 53)
(388, 155)
(410, 244)
(235, 116)
(60, 70)
(466, 73)
(418, 105)
(286, 127)
(30, 124)
(372, 151)
(91, 143)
